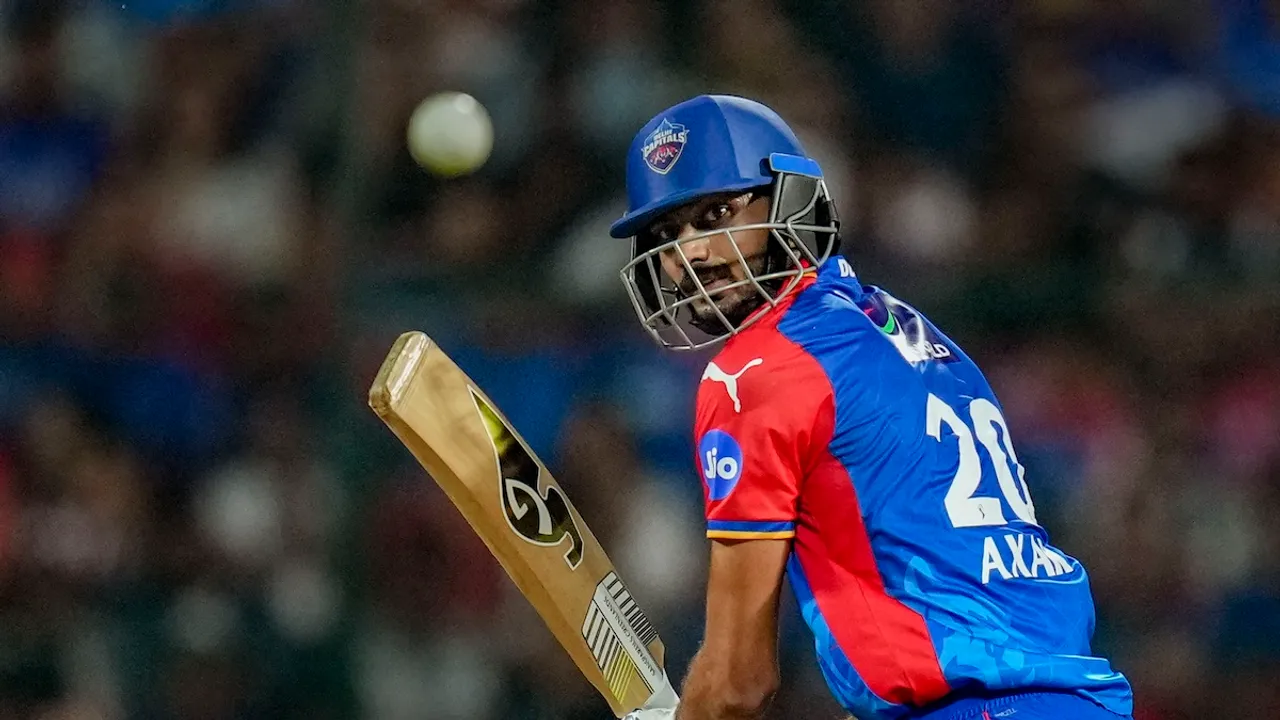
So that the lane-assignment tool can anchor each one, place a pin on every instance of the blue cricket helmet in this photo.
(709, 144)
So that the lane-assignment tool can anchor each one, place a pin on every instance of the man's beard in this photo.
(735, 304)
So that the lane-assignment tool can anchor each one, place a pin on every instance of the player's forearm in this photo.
(716, 691)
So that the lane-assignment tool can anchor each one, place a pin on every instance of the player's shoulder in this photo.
(829, 308)
(847, 325)
(761, 374)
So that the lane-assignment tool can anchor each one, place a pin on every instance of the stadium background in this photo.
(210, 232)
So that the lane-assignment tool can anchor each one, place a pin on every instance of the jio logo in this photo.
(721, 460)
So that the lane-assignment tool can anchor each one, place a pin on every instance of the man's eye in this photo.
(716, 213)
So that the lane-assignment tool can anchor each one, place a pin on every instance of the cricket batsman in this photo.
(846, 443)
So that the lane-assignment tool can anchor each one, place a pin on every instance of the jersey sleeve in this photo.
(760, 421)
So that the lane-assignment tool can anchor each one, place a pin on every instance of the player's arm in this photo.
(735, 672)
(752, 457)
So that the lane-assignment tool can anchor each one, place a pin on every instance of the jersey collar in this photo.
(768, 316)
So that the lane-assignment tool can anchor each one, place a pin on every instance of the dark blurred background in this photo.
(211, 231)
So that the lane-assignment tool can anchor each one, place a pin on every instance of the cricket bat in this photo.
(515, 506)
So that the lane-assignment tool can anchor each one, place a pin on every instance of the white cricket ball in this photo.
(450, 134)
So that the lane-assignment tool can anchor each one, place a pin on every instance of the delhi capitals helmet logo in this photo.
(662, 148)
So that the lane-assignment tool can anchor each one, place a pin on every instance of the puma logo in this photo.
(715, 374)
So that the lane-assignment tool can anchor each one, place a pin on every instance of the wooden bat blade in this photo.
(505, 492)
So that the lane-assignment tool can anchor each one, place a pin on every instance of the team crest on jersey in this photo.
(662, 148)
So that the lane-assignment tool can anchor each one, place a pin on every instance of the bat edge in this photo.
(396, 371)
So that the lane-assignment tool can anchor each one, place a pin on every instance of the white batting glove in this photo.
(650, 715)
(660, 706)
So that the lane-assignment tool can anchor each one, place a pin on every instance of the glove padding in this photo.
(661, 705)
(658, 714)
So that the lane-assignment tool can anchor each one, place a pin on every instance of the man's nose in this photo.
(695, 250)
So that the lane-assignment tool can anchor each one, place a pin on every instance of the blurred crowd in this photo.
(211, 232)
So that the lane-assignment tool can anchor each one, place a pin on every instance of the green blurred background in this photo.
(211, 232)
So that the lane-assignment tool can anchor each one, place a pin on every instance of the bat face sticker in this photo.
(538, 515)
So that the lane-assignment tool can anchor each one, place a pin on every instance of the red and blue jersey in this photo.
(845, 420)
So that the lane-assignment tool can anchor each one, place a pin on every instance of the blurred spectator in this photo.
(50, 153)
(210, 230)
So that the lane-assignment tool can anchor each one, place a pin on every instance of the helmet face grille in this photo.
(803, 233)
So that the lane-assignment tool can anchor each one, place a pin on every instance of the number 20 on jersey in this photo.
(964, 507)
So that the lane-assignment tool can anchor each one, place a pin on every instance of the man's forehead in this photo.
(693, 208)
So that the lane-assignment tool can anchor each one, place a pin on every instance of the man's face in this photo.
(713, 258)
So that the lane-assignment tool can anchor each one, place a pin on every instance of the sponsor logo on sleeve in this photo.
(721, 463)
